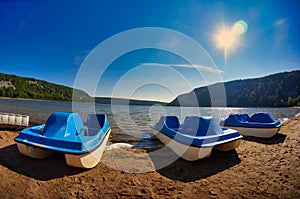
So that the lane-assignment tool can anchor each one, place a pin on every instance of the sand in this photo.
(262, 168)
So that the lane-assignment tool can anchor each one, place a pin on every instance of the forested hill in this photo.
(13, 86)
(115, 101)
(277, 90)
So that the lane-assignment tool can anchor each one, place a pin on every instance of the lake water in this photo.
(131, 120)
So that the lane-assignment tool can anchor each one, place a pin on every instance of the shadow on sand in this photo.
(188, 171)
(276, 139)
(51, 167)
(8, 127)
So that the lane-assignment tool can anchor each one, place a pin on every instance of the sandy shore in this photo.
(263, 168)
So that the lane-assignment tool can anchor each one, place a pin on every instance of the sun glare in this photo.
(228, 38)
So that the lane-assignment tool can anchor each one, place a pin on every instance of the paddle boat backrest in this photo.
(242, 117)
(172, 122)
(190, 125)
(94, 123)
(201, 126)
(261, 118)
(236, 119)
(62, 124)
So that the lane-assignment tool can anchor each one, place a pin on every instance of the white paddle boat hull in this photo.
(33, 152)
(228, 146)
(87, 160)
(189, 153)
(256, 132)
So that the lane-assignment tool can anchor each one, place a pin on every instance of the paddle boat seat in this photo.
(200, 126)
(242, 117)
(93, 124)
(62, 125)
(172, 122)
(261, 118)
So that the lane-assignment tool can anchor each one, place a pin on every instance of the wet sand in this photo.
(262, 168)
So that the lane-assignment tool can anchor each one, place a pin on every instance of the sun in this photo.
(228, 38)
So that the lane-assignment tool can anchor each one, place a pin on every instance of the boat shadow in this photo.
(7, 127)
(49, 168)
(276, 139)
(188, 171)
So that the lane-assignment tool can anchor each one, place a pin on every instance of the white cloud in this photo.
(197, 66)
(25, 20)
(281, 32)
(280, 22)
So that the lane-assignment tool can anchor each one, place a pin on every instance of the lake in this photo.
(131, 120)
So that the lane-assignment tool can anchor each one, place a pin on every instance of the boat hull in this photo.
(228, 146)
(33, 152)
(256, 132)
(190, 153)
(90, 159)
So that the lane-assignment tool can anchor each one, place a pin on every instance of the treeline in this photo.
(278, 90)
(121, 101)
(13, 86)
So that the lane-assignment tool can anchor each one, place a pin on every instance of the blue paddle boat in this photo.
(196, 137)
(258, 125)
(82, 143)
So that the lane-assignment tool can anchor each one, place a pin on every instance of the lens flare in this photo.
(228, 38)
(240, 27)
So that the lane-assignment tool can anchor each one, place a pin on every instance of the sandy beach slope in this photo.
(262, 168)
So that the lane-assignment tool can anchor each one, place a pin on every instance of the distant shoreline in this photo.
(244, 93)
(41, 100)
(29, 99)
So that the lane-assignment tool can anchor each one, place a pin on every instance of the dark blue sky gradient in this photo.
(49, 39)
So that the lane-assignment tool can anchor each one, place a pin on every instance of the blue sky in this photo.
(49, 40)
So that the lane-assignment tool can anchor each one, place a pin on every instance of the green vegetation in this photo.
(107, 100)
(278, 90)
(13, 86)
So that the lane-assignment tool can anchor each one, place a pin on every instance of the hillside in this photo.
(277, 90)
(13, 86)
(107, 100)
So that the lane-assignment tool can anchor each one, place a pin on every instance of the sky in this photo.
(151, 50)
